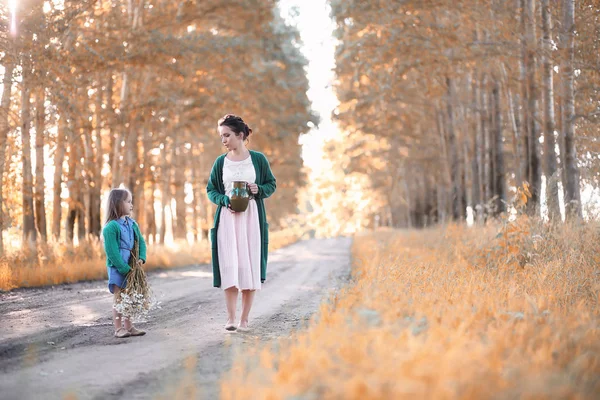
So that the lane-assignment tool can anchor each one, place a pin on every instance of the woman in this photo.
(239, 240)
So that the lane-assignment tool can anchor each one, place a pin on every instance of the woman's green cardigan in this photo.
(216, 193)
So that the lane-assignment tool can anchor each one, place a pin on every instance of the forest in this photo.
(447, 112)
(102, 94)
(440, 241)
(447, 108)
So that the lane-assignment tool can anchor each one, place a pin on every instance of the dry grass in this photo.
(456, 312)
(56, 263)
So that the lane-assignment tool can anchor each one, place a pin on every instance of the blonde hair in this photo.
(114, 204)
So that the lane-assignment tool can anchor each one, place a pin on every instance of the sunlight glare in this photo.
(318, 46)
(12, 6)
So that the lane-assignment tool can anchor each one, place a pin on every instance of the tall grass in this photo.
(507, 311)
(56, 263)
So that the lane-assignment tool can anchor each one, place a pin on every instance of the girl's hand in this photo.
(140, 263)
(230, 209)
(253, 188)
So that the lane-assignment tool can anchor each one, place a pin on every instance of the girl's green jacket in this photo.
(112, 238)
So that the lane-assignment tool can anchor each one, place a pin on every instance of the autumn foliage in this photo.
(439, 313)
(99, 94)
(447, 106)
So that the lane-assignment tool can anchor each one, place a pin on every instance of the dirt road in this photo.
(58, 341)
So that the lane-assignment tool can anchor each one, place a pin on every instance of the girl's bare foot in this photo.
(136, 332)
(243, 326)
(122, 333)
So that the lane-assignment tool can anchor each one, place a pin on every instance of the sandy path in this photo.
(57, 341)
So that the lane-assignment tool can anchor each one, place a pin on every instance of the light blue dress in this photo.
(125, 246)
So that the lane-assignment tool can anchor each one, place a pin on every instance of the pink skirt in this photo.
(238, 242)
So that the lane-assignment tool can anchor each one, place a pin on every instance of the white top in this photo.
(237, 171)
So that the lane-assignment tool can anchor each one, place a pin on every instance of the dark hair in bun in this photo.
(237, 125)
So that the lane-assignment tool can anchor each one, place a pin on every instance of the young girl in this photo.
(119, 233)
(240, 241)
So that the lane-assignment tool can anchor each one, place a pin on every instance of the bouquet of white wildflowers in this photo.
(136, 299)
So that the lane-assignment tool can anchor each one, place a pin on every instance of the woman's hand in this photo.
(230, 209)
(253, 188)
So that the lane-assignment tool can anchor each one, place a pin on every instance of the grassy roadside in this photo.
(55, 264)
(489, 312)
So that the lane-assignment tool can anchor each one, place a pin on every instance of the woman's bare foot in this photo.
(229, 326)
(243, 326)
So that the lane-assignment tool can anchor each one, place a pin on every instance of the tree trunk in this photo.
(573, 208)
(419, 201)
(414, 202)
(486, 166)
(526, 126)
(149, 184)
(515, 113)
(499, 173)
(151, 229)
(59, 156)
(202, 203)
(476, 156)
(137, 175)
(550, 125)
(96, 192)
(29, 232)
(109, 117)
(407, 191)
(476, 161)
(70, 225)
(40, 184)
(139, 195)
(491, 140)
(446, 178)
(4, 128)
(466, 178)
(81, 231)
(131, 157)
(116, 158)
(515, 122)
(165, 193)
(561, 143)
(431, 204)
(93, 151)
(74, 184)
(457, 206)
(117, 161)
(81, 186)
(534, 166)
(441, 204)
(179, 225)
(197, 202)
(88, 167)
